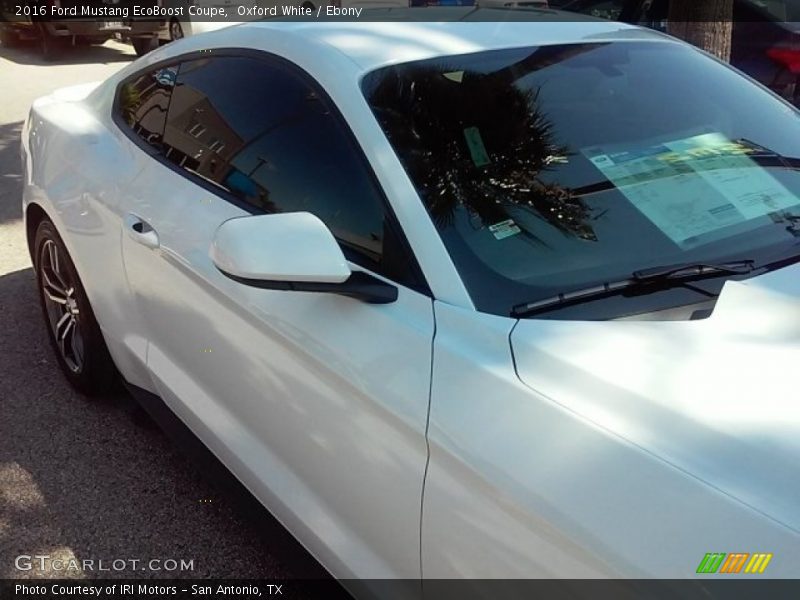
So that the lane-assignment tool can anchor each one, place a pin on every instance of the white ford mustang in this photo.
(458, 299)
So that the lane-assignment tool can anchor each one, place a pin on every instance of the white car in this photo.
(453, 300)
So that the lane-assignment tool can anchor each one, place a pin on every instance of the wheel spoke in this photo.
(63, 326)
(61, 307)
(55, 276)
(61, 281)
(76, 343)
(56, 287)
(64, 338)
(51, 296)
(53, 291)
(53, 255)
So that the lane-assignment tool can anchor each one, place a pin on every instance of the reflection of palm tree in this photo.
(478, 141)
(130, 99)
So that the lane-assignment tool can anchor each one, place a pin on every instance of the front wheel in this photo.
(73, 330)
(143, 45)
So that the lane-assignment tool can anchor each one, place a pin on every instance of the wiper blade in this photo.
(657, 278)
(687, 270)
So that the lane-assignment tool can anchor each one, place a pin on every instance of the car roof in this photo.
(390, 36)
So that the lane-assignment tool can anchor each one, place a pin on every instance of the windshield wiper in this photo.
(687, 270)
(655, 278)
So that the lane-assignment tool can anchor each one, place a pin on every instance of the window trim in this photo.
(418, 281)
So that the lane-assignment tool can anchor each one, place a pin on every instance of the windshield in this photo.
(555, 168)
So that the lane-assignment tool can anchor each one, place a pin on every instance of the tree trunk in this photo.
(707, 24)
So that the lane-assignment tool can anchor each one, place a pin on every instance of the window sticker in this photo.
(476, 148)
(504, 229)
(694, 186)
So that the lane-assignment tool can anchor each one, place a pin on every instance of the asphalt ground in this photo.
(95, 479)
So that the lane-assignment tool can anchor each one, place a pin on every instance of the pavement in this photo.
(95, 479)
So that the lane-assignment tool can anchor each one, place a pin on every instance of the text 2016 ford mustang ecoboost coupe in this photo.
(456, 299)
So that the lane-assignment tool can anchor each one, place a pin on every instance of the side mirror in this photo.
(293, 252)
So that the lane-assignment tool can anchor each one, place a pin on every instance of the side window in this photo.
(263, 134)
(143, 103)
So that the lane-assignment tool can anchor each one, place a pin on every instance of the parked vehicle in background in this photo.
(766, 35)
(54, 37)
(175, 28)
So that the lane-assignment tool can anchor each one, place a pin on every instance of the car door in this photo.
(317, 402)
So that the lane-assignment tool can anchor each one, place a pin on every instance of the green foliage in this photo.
(130, 99)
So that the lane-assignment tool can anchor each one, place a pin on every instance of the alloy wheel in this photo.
(63, 313)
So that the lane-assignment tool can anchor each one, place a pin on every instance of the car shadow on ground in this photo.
(28, 53)
(10, 178)
(95, 479)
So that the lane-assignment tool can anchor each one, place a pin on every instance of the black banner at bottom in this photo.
(429, 589)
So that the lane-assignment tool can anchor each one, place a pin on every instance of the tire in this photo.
(143, 45)
(51, 46)
(8, 37)
(71, 325)
(175, 30)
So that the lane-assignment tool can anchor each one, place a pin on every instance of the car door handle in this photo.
(140, 231)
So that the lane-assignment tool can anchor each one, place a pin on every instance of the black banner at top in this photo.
(651, 13)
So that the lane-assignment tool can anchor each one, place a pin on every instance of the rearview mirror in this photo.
(293, 252)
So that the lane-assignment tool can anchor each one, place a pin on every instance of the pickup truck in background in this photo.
(21, 20)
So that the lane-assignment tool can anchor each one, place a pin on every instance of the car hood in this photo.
(718, 398)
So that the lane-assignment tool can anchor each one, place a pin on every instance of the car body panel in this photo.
(60, 137)
(714, 397)
(554, 493)
(284, 387)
